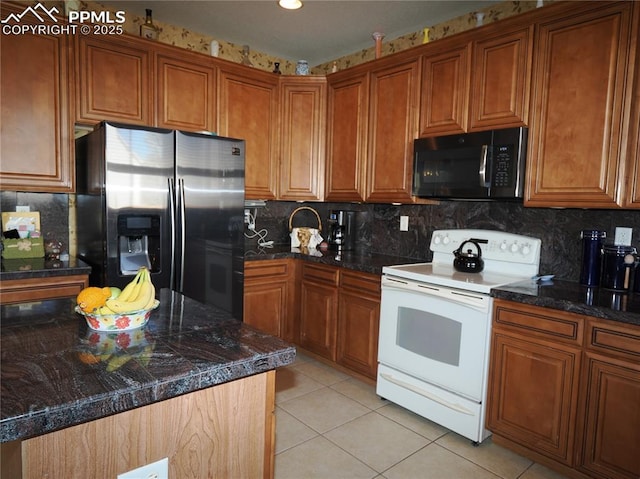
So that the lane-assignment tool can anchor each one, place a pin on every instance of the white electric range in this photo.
(435, 326)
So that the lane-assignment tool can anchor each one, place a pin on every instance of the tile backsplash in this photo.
(379, 224)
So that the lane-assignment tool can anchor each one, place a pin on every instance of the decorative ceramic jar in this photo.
(302, 67)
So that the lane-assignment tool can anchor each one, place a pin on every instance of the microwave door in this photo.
(453, 173)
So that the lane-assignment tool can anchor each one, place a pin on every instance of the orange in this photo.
(92, 297)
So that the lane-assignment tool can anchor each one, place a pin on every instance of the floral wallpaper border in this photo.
(194, 41)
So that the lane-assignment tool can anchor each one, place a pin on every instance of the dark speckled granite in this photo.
(41, 268)
(356, 260)
(575, 298)
(186, 346)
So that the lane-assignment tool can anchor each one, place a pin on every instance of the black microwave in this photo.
(486, 165)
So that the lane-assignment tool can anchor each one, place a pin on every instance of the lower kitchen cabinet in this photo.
(564, 390)
(358, 322)
(37, 289)
(318, 309)
(269, 296)
(609, 418)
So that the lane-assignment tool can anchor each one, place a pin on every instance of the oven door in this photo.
(436, 334)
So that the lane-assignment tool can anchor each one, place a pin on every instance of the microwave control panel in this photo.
(503, 166)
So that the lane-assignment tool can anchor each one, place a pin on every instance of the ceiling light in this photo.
(290, 4)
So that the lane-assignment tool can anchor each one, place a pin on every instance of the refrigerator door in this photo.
(210, 198)
(139, 165)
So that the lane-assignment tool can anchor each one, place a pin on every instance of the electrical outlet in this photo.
(155, 470)
(623, 236)
(247, 217)
(404, 223)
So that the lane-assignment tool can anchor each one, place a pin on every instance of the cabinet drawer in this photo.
(364, 283)
(614, 339)
(540, 322)
(266, 268)
(37, 289)
(320, 274)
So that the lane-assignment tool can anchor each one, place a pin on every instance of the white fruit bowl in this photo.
(118, 322)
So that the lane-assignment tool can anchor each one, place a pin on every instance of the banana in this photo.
(145, 294)
(152, 297)
(105, 310)
(126, 293)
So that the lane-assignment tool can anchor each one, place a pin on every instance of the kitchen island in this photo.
(193, 385)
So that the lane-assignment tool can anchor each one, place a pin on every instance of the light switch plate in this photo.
(404, 223)
(623, 236)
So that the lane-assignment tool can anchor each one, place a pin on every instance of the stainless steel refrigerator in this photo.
(169, 200)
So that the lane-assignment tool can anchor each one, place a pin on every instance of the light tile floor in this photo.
(330, 425)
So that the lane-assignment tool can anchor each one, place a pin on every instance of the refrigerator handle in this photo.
(183, 233)
(172, 208)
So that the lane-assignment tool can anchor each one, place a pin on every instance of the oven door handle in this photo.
(428, 395)
(477, 301)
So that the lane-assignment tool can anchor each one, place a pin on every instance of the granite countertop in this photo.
(55, 372)
(41, 268)
(575, 298)
(366, 262)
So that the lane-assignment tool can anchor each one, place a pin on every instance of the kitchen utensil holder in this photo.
(304, 208)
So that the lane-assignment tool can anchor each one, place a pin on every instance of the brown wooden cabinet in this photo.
(303, 124)
(114, 80)
(270, 297)
(608, 438)
(444, 101)
(36, 289)
(582, 92)
(477, 81)
(36, 120)
(249, 109)
(564, 390)
(501, 78)
(186, 91)
(372, 123)
(318, 309)
(393, 125)
(348, 113)
(358, 322)
(533, 381)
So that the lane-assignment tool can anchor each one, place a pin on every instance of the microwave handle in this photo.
(483, 166)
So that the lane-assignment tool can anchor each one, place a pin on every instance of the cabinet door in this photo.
(348, 110)
(500, 80)
(36, 123)
(303, 125)
(114, 80)
(580, 87)
(445, 91)
(186, 98)
(249, 110)
(533, 393)
(359, 322)
(611, 444)
(269, 296)
(393, 123)
(318, 309)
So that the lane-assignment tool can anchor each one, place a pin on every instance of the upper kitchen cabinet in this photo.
(36, 122)
(444, 88)
(114, 80)
(248, 109)
(501, 78)
(582, 141)
(303, 103)
(347, 118)
(186, 91)
(477, 81)
(393, 125)
(373, 120)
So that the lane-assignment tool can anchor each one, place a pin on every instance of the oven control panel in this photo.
(494, 245)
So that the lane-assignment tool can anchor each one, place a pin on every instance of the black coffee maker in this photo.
(342, 229)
